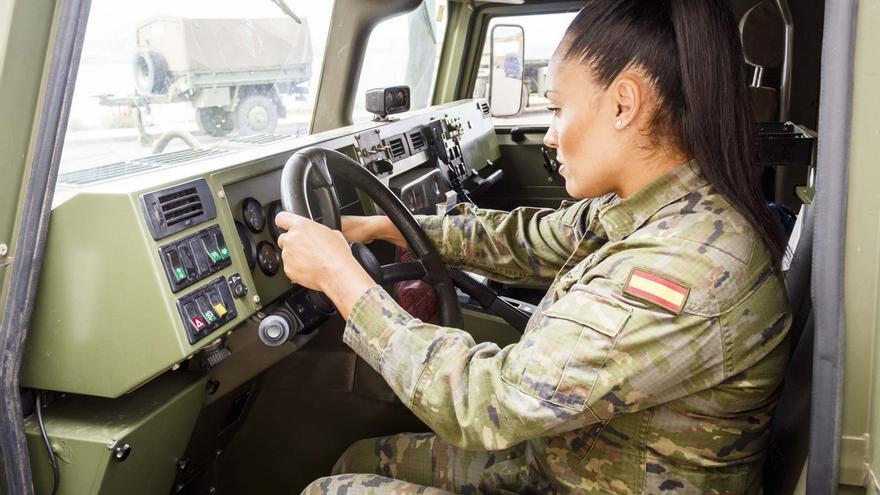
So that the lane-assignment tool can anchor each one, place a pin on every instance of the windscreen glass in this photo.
(165, 80)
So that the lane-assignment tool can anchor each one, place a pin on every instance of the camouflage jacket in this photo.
(651, 366)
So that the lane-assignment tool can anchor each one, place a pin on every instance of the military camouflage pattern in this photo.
(606, 392)
(412, 461)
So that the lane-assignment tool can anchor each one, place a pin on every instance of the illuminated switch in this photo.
(196, 320)
(177, 268)
(211, 249)
(217, 302)
(206, 310)
(220, 309)
(221, 246)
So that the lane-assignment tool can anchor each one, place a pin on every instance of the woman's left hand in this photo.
(320, 259)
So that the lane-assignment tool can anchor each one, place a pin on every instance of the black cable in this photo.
(56, 475)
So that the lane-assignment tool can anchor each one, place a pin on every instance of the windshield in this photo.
(170, 75)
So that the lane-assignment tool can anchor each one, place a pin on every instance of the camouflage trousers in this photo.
(408, 463)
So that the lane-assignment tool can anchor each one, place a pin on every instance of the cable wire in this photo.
(56, 475)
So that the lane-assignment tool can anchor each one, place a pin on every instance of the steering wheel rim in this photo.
(315, 168)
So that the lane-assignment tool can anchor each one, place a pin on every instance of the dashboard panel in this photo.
(145, 270)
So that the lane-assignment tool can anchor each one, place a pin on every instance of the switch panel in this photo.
(194, 257)
(206, 309)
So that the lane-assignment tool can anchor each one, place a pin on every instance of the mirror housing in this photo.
(388, 101)
(506, 60)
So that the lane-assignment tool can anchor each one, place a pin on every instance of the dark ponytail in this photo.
(691, 50)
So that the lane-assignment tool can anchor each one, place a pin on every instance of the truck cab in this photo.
(150, 342)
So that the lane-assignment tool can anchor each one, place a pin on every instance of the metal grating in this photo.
(105, 172)
(397, 148)
(136, 166)
(417, 141)
(484, 107)
(260, 139)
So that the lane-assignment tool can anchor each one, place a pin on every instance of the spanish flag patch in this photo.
(656, 290)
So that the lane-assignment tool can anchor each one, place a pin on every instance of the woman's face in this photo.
(584, 132)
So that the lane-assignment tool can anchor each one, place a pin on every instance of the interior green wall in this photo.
(862, 266)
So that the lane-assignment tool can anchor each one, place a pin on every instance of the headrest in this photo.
(762, 30)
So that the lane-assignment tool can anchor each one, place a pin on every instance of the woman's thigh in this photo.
(367, 484)
(420, 458)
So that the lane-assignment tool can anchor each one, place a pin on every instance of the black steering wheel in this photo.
(314, 169)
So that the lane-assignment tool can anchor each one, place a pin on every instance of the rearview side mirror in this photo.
(506, 58)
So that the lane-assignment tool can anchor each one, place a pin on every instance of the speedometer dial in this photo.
(268, 257)
(253, 214)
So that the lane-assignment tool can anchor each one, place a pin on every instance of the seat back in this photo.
(790, 428)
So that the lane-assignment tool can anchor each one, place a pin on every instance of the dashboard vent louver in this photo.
(132, 167)
(177, 208)
(484, 107)
(397, 148)
(260, 139)
(180, 206)
(416, 141)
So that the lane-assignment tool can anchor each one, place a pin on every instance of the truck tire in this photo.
(150, 73)
(215, 121)
(256, 114)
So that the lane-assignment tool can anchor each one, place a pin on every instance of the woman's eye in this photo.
(553, 109)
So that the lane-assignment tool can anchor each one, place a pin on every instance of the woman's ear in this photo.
(627, 94)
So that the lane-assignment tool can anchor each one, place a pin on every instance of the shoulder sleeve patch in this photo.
(656, 290)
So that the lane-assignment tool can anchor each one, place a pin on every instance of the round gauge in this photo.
(253, 214)
(274, 209)
(268, 257)
(247, 244)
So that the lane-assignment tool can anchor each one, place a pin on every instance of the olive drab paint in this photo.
(606, 392)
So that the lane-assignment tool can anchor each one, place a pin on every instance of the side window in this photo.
(404, 50)
(542, 32)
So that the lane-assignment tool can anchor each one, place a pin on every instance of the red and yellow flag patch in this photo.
(657, 290)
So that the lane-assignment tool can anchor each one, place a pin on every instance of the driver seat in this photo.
(790, 429)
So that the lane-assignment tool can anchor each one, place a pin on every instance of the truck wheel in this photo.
(150, 73)
(215, 121)
(256, 114)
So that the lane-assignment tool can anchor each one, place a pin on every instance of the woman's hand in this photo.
(320, 259)
(368, 229)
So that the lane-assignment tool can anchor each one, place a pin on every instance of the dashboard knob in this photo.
(275, 330)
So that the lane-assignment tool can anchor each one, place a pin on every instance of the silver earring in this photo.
(618, 124)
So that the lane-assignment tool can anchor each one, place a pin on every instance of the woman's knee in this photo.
(359, 457)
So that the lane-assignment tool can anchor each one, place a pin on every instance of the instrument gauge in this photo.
(274, 209)
(253, 214)
(247, 244)
(268, 257)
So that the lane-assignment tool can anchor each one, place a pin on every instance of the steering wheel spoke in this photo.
(399, 272)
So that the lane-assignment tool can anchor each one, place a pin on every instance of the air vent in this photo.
(396, 147)
(484, 107)
(416, 141)
(260, 139)
(171, 210)
(180, 206)
(104, 172)
(140, 165)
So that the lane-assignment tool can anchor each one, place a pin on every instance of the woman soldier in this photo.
(653, 363)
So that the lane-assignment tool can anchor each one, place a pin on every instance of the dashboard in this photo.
(150, 263)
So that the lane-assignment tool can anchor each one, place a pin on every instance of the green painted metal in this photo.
(861, 407)
(105, 318)
(21, 74)
(155, 421)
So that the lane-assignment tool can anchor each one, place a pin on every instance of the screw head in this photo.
(4, 249)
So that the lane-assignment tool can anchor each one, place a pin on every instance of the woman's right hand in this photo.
(368, 229)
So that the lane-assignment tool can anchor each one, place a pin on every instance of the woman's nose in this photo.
(550, 138)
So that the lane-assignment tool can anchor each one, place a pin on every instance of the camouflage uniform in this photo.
(610, 390)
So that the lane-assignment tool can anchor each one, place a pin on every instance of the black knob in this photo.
(239, 290)
(320, 302)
